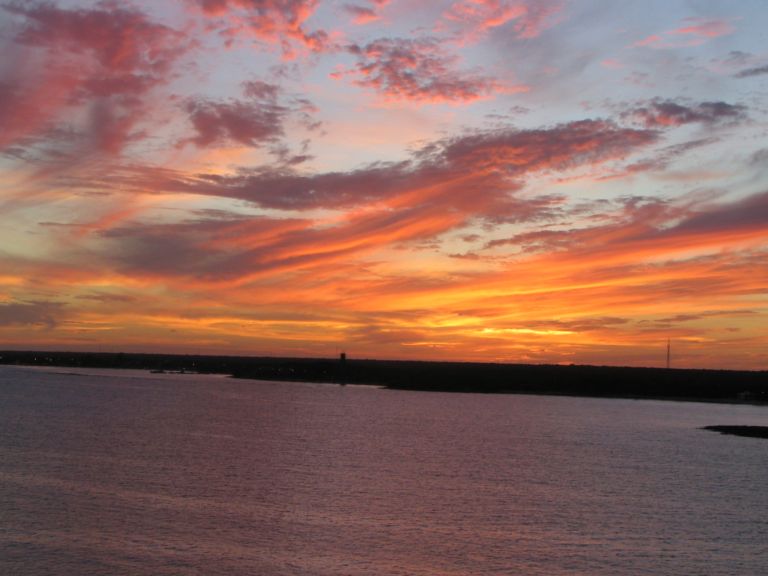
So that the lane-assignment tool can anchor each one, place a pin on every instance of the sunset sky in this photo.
(548, 181)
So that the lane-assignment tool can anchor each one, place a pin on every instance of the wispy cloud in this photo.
(472, 19)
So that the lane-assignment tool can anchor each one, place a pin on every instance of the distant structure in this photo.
(668, 352)
(343, 368)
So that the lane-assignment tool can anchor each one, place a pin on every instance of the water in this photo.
(121, 472)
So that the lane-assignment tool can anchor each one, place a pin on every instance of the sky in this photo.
(538, 181)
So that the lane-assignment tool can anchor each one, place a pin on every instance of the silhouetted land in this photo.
(605, 381)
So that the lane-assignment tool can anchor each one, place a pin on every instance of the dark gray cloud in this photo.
(34, 313)
(747, 214)
(256, 120)
(664, 113)
(750, 72)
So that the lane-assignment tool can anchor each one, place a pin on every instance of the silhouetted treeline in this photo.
(609, 381)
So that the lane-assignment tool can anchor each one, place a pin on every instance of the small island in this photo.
(747, 431)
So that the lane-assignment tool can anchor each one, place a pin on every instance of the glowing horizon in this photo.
(539, 181)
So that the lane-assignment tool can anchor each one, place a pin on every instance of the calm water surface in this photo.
(121, 472)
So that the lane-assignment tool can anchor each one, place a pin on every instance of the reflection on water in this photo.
(133, 473)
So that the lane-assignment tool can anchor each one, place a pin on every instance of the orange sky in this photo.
(486, 180)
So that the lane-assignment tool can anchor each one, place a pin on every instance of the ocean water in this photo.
(125, 472)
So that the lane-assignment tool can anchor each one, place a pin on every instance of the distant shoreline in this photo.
(725, 386)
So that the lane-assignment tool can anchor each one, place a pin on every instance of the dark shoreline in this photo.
(593, 381)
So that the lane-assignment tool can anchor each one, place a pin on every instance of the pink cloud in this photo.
(30, 102)
(652, 40)
(280, 22)
(120, 39)
(693, 32)
(104, 60)
(361, 14)
(539, 16)
(365, 14)
(612, 63)
(702, 27)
